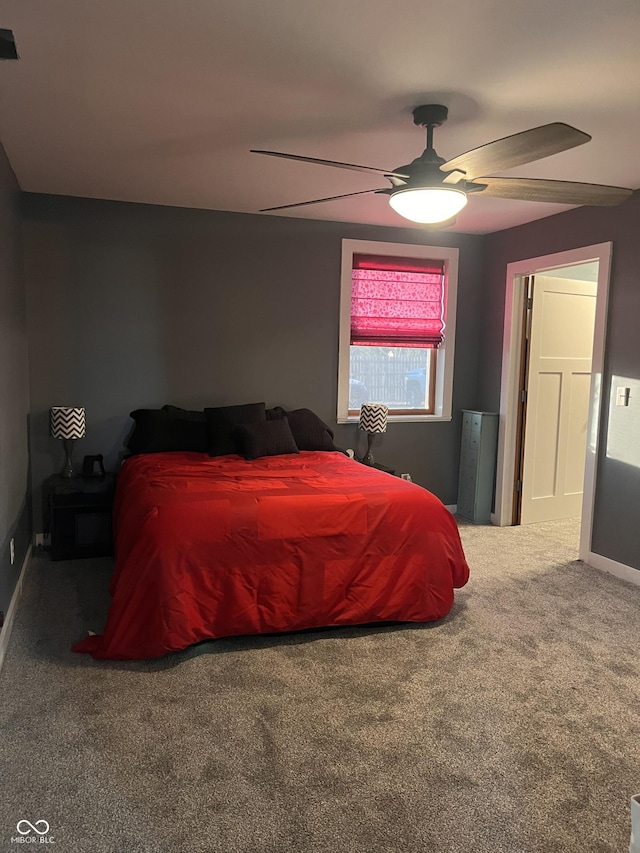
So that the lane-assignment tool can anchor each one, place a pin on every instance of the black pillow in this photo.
(309, 431)
(276, 412)
(189, 429)
(167, 429)
(151, 433)
(222, 438)
(270, 438)
(185, 414)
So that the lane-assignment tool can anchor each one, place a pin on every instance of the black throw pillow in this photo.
(189, 429)
(184, 414)
(309, 431)
(222, 422)
(151, 432)
(270, 438)
(275, 413)
(167, 429)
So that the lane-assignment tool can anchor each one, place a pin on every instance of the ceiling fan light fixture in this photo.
(428, 205)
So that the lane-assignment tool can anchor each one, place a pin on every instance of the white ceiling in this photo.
(159, 102)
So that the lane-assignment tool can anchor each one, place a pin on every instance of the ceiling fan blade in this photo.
(453, 177)
(370, 170)
(318, 200)
(561, 192)
(516, 150)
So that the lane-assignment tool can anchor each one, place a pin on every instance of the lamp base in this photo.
(368, 459)
(68, 471)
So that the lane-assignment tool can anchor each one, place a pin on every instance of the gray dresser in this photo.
(477, 465)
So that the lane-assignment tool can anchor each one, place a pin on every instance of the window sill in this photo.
(406, 419)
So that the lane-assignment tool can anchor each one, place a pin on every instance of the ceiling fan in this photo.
(431, 190)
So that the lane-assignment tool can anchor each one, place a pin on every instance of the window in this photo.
(397, 329)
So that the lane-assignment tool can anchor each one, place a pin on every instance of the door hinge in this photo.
(517, 486)
(522, 396)
(528, 303)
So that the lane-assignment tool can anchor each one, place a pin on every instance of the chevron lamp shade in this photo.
(373, 417)
(67, 422)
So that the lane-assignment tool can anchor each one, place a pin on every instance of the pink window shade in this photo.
(397, 302)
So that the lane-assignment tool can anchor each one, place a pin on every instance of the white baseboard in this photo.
(620, 570)
(5, 632)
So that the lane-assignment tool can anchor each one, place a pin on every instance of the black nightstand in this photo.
(78, 512)
(379, 467)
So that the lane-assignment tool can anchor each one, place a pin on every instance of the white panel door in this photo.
(559, 375)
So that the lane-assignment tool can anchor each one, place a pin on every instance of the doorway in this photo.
(519, 276)
(551, 443)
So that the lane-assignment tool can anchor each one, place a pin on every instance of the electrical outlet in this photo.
(12, 550)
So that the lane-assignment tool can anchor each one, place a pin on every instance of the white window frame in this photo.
(444, 365)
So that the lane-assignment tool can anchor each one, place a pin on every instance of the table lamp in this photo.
(67, 423)
(373, 420)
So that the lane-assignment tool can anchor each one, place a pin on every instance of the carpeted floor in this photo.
(509, 726)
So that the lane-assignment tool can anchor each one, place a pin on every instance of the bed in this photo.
(217, 547)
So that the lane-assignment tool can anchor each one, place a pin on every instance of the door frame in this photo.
(511, 355)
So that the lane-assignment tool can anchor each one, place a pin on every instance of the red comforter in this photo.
(215, 547)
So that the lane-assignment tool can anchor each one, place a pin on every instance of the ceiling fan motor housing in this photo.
(424, 171)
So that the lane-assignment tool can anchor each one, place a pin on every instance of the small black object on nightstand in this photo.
(78, 513)
(93, 466)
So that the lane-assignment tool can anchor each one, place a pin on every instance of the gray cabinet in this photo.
(477, 465)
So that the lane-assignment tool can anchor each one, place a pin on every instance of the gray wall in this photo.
(133, 305)
(15, 519)
(616, 529)
(136, 306)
